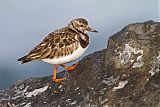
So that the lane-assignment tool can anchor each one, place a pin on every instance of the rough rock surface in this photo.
(126, 74)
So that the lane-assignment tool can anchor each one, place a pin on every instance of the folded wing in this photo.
(55, 45)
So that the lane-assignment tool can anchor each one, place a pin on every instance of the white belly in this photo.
(65, 59)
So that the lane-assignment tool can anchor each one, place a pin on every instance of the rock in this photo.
(125, 74)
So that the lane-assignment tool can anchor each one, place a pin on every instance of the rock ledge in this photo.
(125, 74)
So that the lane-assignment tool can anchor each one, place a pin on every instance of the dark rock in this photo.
(126, 74)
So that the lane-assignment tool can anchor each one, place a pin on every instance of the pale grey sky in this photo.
(24, 23)
(159, 9)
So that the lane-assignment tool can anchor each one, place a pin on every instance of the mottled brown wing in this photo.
(55, 45)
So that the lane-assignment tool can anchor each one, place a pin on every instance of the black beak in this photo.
(91, 30)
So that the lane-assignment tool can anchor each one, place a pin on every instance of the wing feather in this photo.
(53, 46)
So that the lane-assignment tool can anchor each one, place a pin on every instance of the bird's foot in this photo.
(58, 80)
(73, 67)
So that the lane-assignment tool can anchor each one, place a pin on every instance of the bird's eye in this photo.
(81, 25)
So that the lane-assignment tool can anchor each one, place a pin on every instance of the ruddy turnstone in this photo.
(62, 46)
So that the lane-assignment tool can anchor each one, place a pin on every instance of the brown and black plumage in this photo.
(62, 46)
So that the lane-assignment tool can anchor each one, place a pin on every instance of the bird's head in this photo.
(80, 25)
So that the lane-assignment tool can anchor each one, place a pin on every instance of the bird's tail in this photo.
(24, 59)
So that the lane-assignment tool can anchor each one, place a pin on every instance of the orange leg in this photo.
(54, 75)
(71, 68)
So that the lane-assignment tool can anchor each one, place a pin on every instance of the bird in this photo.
(62, 46)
